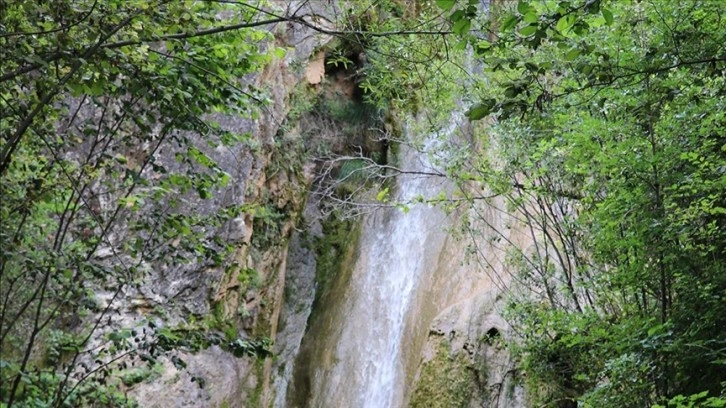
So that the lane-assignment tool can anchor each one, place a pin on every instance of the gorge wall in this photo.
(366, 203)
(299, 278)
(242, 300)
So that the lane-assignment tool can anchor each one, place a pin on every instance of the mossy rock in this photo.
(334, 252)
(446, 381)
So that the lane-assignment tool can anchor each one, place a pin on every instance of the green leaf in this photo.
(564, 23)
(279, 52)
(528, 30)
(382, 195)
(446, 4)
(512, 91)
(509, 23)
(530, 17)
(607, 15)
(457, 15)
(523, 7)
(481, 110)
(655, 329)
(572, 54)
(482, 47)
(204, 194)
(462, 26)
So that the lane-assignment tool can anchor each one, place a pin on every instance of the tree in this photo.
(109, 148)
(95, 97)
(608, 142)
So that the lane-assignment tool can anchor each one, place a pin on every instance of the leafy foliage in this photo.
(606, 139)
(96, 97)
(609, 146)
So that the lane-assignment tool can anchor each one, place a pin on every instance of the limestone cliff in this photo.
(284, 270)
(315, 113)
(242, 299)
(465, 361)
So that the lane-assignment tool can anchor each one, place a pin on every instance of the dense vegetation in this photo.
(608, 141)
(92, 95)
(605, 135)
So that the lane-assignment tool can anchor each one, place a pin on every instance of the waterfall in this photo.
(407, 294)
(392, 261)
(361, 355)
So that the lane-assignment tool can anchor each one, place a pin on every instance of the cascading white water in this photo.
(406, 294)
(396, 248)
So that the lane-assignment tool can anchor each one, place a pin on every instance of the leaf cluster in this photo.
(108, 150)
(606, 142)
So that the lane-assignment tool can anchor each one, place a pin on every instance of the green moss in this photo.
(249, 278)
(230, 333)
(255, 397)
(303, 99)
(446, 381)
(139, 374)
(219, 321)
(334, 250)
(268, 222)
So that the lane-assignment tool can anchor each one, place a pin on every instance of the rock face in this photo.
(299, 296)
(453, 352)
(267, 289)
(212, 378)
(248, 297)
(464, 361)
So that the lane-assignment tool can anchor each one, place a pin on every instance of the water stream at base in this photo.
(367, 367)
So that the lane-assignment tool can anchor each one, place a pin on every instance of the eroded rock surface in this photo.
(249, 296)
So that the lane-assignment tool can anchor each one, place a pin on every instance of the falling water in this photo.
(365, 364)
